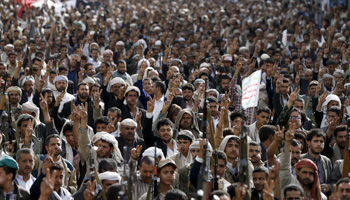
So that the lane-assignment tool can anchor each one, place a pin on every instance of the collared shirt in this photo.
(158, 106)
(95, 63)
(141, 187)
(321, 173)
(25, 184)
(11, 195)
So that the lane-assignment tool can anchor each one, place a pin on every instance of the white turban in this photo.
(116, 154)
(114, 81)
(112, 176)
(60, 78)
(150, 152)
(27, 78)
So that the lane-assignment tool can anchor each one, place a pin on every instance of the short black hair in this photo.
(163, 122)
(80, 84)
(115, 109)
(266, 131)
(188, 86)
(261, 169)
(220, 155)
(238, 113)
(62, 68)
(9, 170)
(315, 132)
(102, 120)
(335, 109)
(148, 160)
(227, 131)
(343, 180)
(49, 137)
(340, 128)
(87, 65)
(212, 100)
(264, 109)
(67, 127)
(296, 143)
(293, 187)
(175, 194)
(161, 85)
(116, 191)
(218, 193)
(56, 166)
(107, 165)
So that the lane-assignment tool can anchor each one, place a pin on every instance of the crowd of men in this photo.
(143, 100)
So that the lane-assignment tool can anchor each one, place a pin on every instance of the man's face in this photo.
(90, 70)
(120, 48)
(58, 180)
(254, 153)
(14, 97)
(103, 68)
(221, 168)
(94, 54)
(54, 145)
(101, 127)
(293, 195)
(24, 126)
(312, 90)
(236, 121)
(64, 72)
(183, 146)
(128, 132)
(194, 152)
(187, 94)
(284, 88)
(107, 183)
(338, 77)
(146, 172)
(295, 118)
(299, 105)
(259, 179)
(167, 175)
(232, 149)
(61, 85)
(147, 85)
(104, 150)
(225, 84)
(5, 178)
(12, 59)
(93, 91)
(115, 88)
(186, 121)
(26, 163)
(165, 133)
(154, 89)
(2, 70)
(73, 60)
(344, 191)
(263, 118)
(306, 176)
(83, 91)
(131, 97)
(28, 87)
(327, 82)
(332, 103)
(213, 108)
(331, 68)
(64, 51)
(341, 139)
(316, 145)
(296, 152)
(70, 138)
(121, 68)
(107, 57)
(331, 116)
(308, 76)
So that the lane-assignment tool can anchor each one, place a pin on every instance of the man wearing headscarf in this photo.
(306, 171)
(110, 91)
(61, 84)
(184, 140)
(187, 120)
(27, 84)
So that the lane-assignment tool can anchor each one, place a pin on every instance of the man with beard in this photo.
(339, 133)
(255, 154)
(343, 189)
(183, 157)
(165, 139)
(260, 176)
(128, 138)
(27, 83)
(230, 145)
(82, 97)
(61, 84)
(25, 160)
(14, 96)
(104, 68)
(187, 120)
(121, 72)
(53, 147)
(186, 101)
(296, 152)
(306, 171)
(316, 140)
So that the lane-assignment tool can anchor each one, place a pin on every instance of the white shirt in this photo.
(67, 97)
(96, 63)
(25, 184)
(158, 106)
(171, 152)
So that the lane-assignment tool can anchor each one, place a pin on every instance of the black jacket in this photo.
(150, 138)
(66, 111)
(122, 142)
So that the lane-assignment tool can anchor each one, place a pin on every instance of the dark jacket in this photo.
(150, 138)
(21, 193)
(108, 98)
(126, 112)
(66, 111)
(122, 142)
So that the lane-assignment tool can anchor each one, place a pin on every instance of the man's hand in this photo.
(135, 153)
(29, 132)
(59, 98)
(294, 96)
(48, 162)
(48, 183)
(290, 133)
(268, 191)
(111, 126)
(150, 104)
(280, 133)
(297, 79)
(89, 193)
(122, 91)
(325, 188)
(43, 103)
(274, 171)
(323, 97)
(333, 124)
(167, 104)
